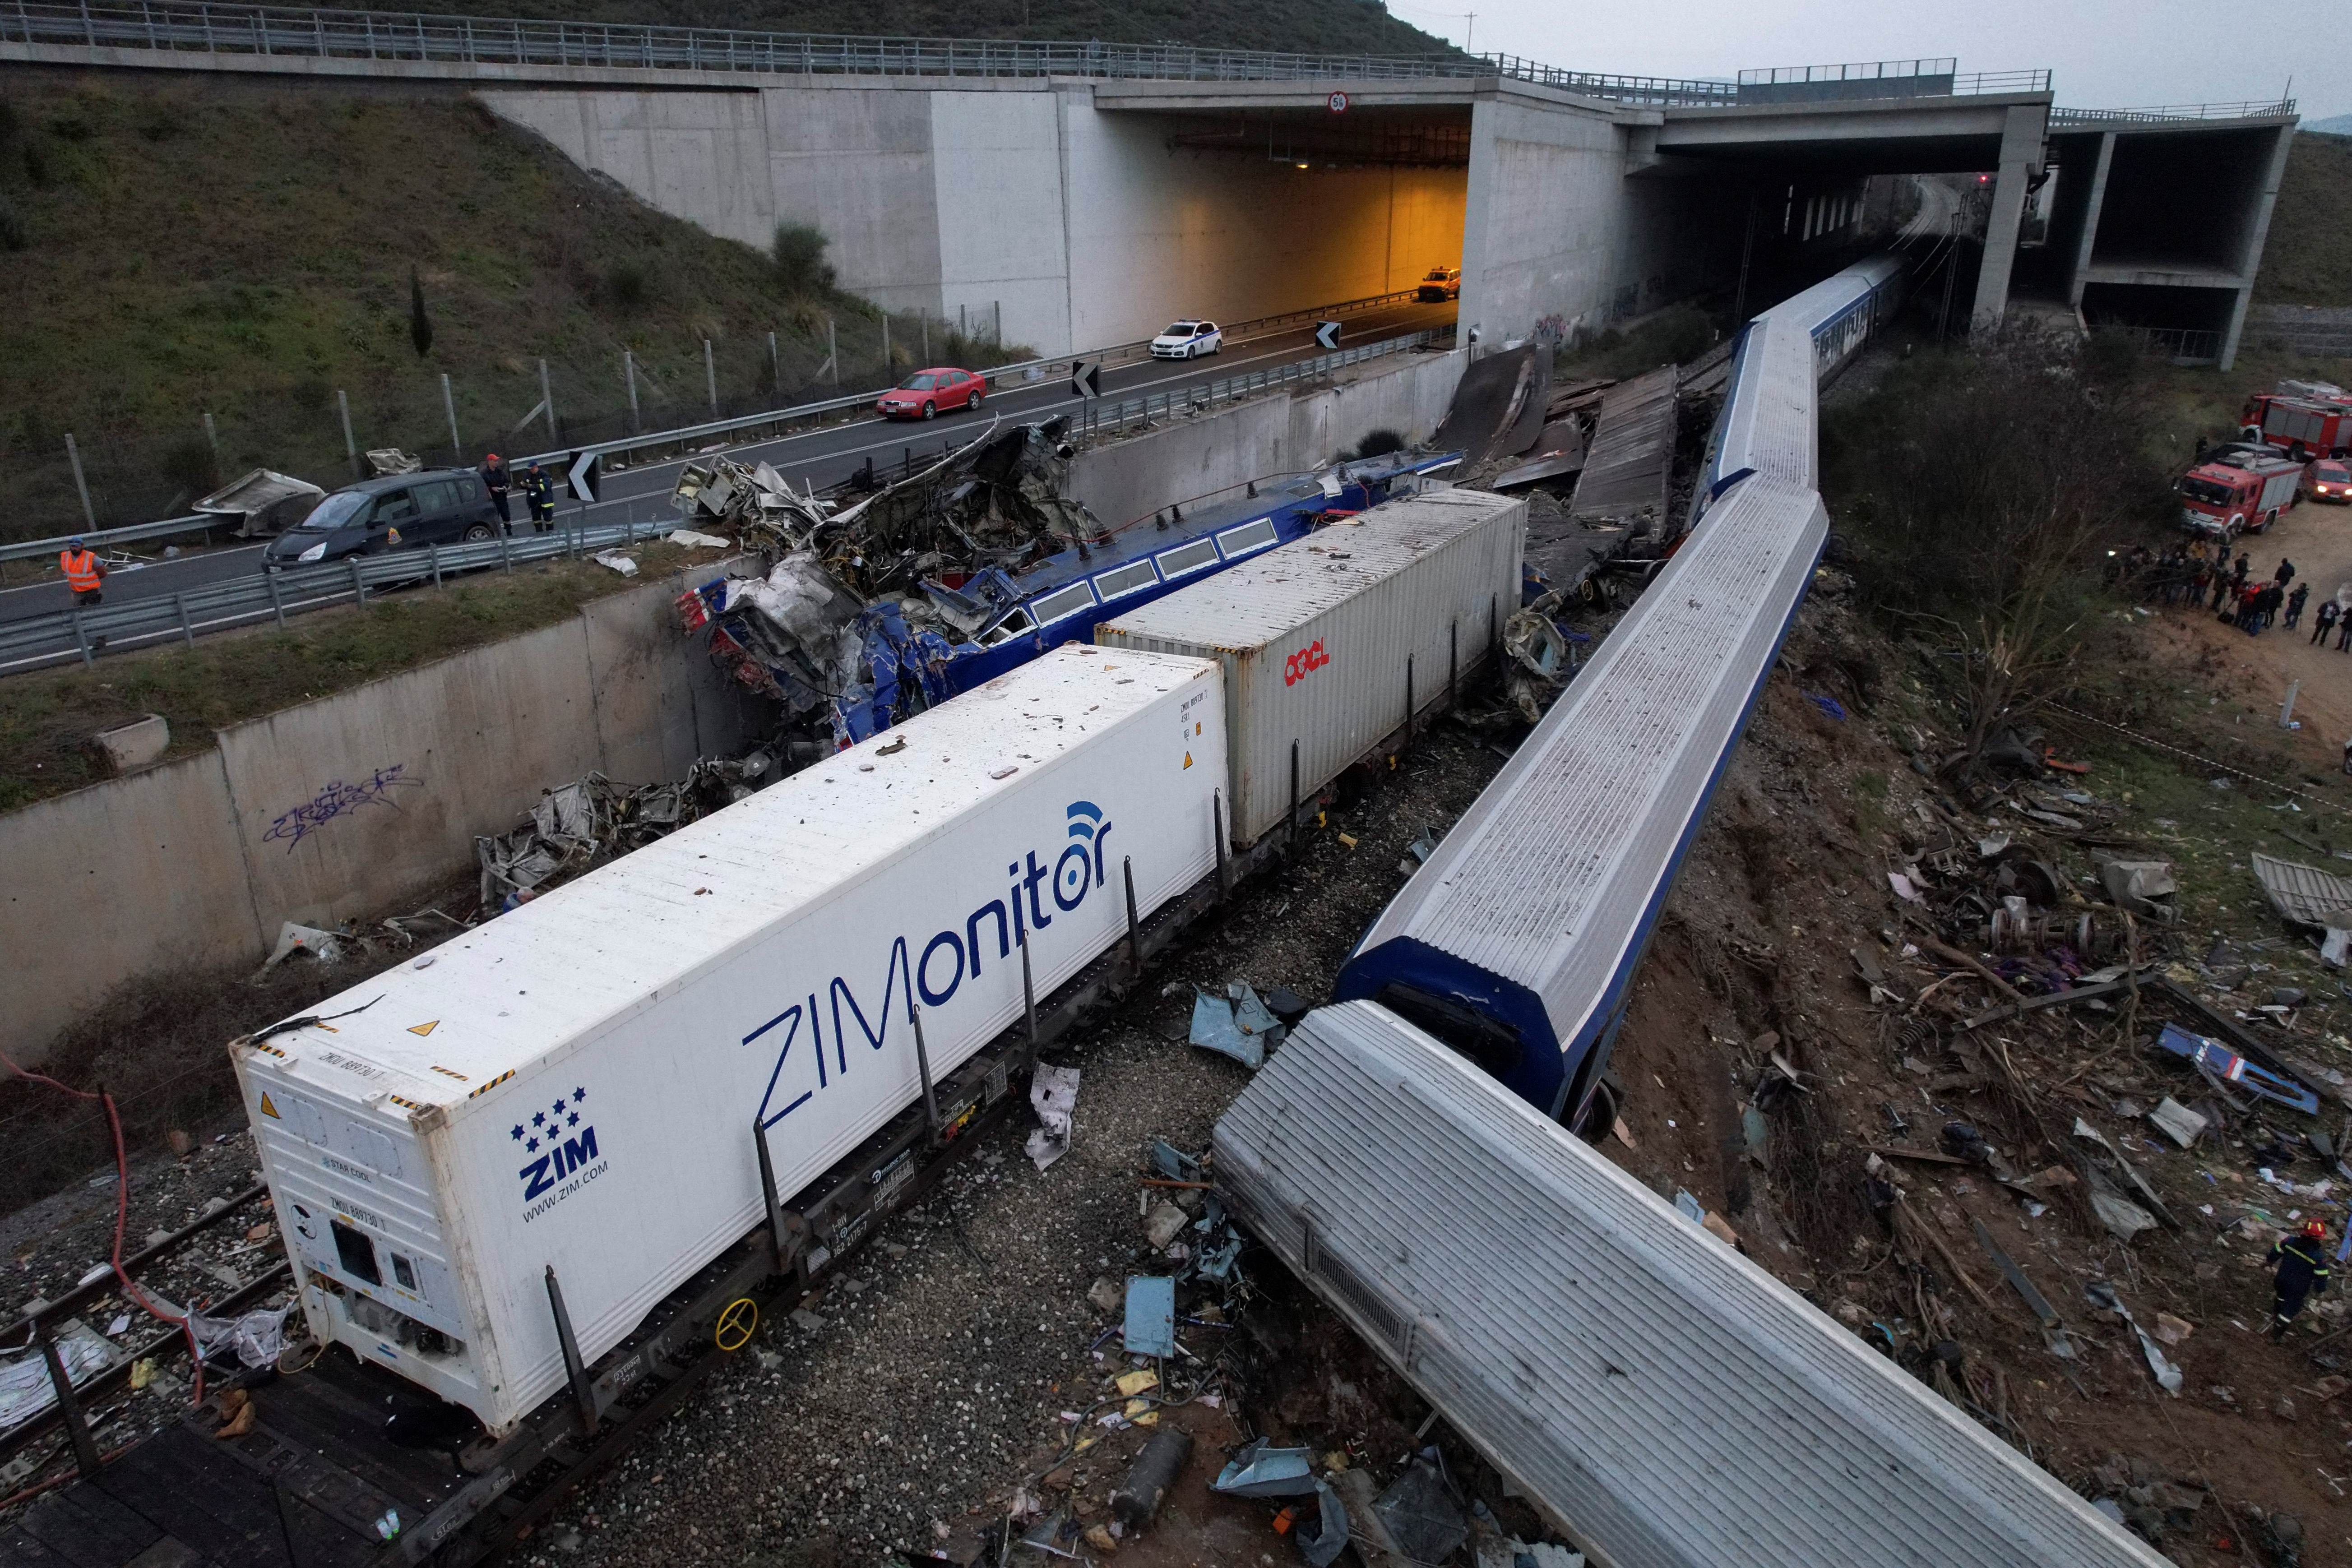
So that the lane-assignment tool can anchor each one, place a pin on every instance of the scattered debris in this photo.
(2167, 1375)
(1054, 1092)
(1238, 1025)
(263, 502)
(1150, 1326)
(1154, 1471)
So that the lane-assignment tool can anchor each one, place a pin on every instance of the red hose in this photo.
(123, 1216)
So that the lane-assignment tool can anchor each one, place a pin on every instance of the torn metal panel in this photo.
(2303, 895)
(263, 502)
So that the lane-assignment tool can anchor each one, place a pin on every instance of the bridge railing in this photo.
(2169, 114)
(393, 36)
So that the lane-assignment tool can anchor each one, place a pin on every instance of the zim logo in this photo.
(567, 1140)
(1307, 659)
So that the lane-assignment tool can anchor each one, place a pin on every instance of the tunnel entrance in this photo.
(1252, 210)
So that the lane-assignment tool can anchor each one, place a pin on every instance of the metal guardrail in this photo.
(84, 634)
(191, 26)
(1107, 418)
(2169, 114)
(773, 421)
(674, 441)
(99, 538)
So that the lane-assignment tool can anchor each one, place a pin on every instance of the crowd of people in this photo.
(2203, 577)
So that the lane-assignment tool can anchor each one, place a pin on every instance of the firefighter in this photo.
(496, 479)
(2302, 1266)
(84, 570)
(539, 491)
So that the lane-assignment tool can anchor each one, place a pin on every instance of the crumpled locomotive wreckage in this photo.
(853, 626)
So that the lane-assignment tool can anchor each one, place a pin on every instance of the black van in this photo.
(439, 506)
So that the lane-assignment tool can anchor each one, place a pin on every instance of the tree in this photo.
(420, 325)
(1987, 493)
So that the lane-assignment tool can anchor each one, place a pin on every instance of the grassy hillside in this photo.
(1330, 26)
(2308, 259)
(245, 249)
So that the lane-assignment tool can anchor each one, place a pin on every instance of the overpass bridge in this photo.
(1082, 192)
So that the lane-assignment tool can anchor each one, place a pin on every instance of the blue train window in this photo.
(1123, 580)
(1062, 602)
(1249, 536)
(1186, 558)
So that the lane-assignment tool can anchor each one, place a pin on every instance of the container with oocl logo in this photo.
(573, 1085)
(1324, 640)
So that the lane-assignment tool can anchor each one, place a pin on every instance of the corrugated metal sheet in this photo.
(1632, 451)
(2303, 894)
(1315, 637)
(1665, 1402)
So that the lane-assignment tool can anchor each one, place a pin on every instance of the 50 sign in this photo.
(1303, 663)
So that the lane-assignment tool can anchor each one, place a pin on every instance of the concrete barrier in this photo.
(1204, 458)
(343, 806)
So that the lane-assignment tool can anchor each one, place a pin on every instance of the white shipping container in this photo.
(1321, 639)
(574, 1083)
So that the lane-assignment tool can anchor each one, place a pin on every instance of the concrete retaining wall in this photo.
(343, 806)
(1205, 457)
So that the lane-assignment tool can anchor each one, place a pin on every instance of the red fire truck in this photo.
(2223, 500)
(2307, 427)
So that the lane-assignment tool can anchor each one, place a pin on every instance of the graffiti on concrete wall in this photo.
(341, 799)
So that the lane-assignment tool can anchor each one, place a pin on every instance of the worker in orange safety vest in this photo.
(84, 570)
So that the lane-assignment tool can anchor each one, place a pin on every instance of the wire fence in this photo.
(94, 465)
(656, 423)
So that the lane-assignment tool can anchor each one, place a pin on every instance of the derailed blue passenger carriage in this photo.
(997, 619)
(1517, 944)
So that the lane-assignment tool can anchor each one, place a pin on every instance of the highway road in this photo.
(823, 456)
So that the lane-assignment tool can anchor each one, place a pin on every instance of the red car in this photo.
(2331, 481)
(925, 394)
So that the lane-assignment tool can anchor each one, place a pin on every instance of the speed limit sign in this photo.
(1339, 102)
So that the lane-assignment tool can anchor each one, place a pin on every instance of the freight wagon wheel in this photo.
(733, 1329)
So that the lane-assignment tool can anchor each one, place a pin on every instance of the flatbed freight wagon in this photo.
(559, 1104)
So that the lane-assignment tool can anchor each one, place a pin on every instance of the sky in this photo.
(2101, 54)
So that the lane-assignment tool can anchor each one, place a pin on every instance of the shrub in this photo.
(190, 465)
(1379, 444)
(12, 234)
(629, 283)
(37, 172)
(801, 265)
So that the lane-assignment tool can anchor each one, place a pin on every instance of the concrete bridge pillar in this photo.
(2022, 133)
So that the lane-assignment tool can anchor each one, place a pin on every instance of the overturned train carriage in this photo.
(1518, 942)
(1662, 1400)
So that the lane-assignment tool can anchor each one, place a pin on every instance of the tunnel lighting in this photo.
(1300, 165)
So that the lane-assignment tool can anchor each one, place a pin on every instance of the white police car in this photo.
(1188, 340)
